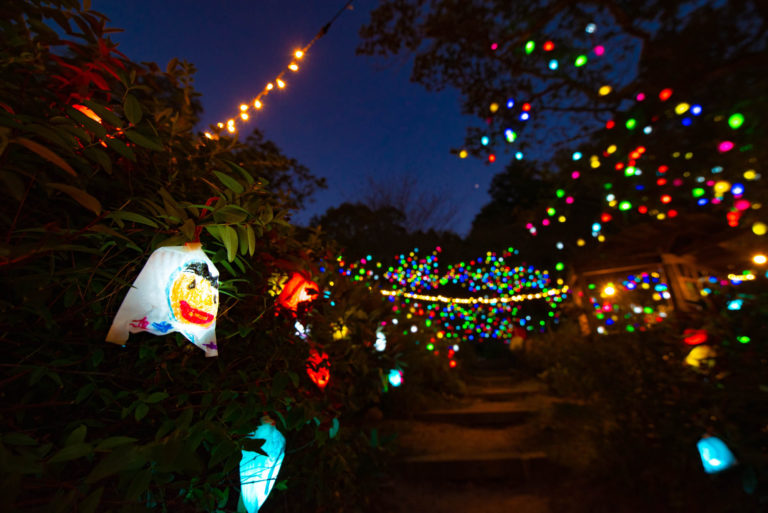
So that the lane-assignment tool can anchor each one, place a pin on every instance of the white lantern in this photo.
(177, 290)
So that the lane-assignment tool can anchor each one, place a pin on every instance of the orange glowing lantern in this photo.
(319, 368)
(694, 337)
(297, 290)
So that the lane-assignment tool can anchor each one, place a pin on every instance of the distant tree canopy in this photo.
(640, 126)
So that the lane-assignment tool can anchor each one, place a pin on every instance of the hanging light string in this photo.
(278, 83)
(475, 300)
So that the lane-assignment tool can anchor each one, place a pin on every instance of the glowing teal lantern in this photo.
(258, 473)
(395, 378)
(715, 455)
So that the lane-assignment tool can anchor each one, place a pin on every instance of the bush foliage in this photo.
(100, 167)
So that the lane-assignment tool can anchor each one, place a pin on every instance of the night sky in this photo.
(346, 117)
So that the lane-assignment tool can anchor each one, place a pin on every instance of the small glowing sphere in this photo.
(640, 97)
(665, 94)
(524, 116)
(430, 347)
(605, 90)
(463, 154)
(722, 187)
(270, 86)
(759, 228)
(484, 140)
(743, 339)
(737, 190)
(698, 192)
(625, 205)
(696, 110)
(725, 146)
(559, 245)
(510, 103)
(553, 64)
(647, 130)
(257, 104)
(298, 54)
(559, 266)
(560, 193)
(395, 378)
(591, 28)
(735, 121)
(750, 174)
(596, 227)
(519, 155)
(280, 83)
(491, 158)
(610, 124)
(293, 66)
(494, 107)
(686, 121)
(575, 175)
(681, 108)
(609, 290)
(760, 259)
(243, 107)
(530, 46)
(599, 50)
(580, 61)
(510, 135)
(611, 149)
(576, 155)
(494, 46)
(244, 116)
(580, 242)
(549, 46)
(631, 123)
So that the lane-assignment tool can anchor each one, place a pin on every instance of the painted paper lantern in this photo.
(177, 290)
(319, 368)
(694, 337)
(715, 455)
(258, 473)
(297, 290)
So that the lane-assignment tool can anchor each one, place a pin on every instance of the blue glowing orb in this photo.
(735, 304)
(715, 455)
(258, 473)
(395, 378)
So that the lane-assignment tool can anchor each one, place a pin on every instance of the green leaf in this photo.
(90, 125)
(125, 458)
(105, 113)
(45, 153)
(156, 397)
(132, 109)
(79, 195)
(85, 392)
(143, 141)
(230, 182)
(251, 239)
(100, 157)
(71, 452)
(253, 445)
(91, 502)
(133, 217)
(214, 230)
(266, 215)
(139, 484)
(242, 237)
(141, 411)
(246, 175)
(121, 148)
(19, 439)
(77, 435)
(230, 214)
(229, 238)
(115, 441)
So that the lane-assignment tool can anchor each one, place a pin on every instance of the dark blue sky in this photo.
(345, 117)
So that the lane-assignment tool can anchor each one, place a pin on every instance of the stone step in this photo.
(482, 413)
(520, 467)
(506, 393)
(423, 438)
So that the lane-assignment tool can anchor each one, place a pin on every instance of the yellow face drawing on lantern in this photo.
(193, 295)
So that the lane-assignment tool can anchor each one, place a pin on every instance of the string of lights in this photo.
(476, 300)
(278, 83)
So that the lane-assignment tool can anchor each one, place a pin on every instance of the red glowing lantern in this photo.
(297, 290)
(319, 368)
(610, 124)
(694, 337)
(733, 218)
(665, 94)
(549, 46)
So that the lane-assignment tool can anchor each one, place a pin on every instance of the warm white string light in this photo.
(279, 82)
(475, 300)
